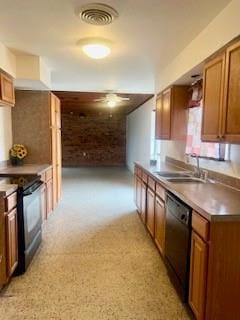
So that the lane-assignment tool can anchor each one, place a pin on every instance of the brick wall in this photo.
(93, 139)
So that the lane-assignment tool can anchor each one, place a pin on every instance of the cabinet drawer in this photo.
(11, 202)
(200, 225)
(160, 191)
(151, 183)
(48, 175)
(144, 177)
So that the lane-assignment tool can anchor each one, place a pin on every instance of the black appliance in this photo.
(29, 219)
(177, 243)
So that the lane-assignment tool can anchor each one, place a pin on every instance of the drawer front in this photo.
(48, 175)
(151, 183)
(160, 191)
(200, 225)
(11, 202)
(144, 177)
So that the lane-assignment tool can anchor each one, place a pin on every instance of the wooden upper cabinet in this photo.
(231, 105)
(221, 96)
(7, 94)
(213, 84)
(171, 113)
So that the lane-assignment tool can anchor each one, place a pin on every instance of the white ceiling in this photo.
(146, 36)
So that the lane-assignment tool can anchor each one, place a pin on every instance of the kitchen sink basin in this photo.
(185, 180)
(172, 174)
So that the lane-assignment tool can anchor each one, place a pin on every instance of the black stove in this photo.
(29, 218)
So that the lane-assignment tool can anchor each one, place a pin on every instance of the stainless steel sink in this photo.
(185, 180)
(172, 174)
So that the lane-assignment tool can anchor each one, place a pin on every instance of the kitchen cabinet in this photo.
(221, 94)
(7, 94)
(150, 211)
(231, 110)
(2, 245)
(160, 224)
(213, 84)
(47, 193)
(11, 242)
(37, 124)
(43, 203)
(198, 276)
(171, 113)
(143, 201)
(138, 194)
(49, 197)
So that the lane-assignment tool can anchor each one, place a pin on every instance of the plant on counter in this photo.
(17, 153)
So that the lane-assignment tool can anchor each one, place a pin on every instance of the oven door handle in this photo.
(32, 189)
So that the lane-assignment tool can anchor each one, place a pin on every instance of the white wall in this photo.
(139, 134)
(5, 132)
(8, 64)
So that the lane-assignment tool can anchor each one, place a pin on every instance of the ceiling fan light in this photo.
(111, 103)
(96, 50)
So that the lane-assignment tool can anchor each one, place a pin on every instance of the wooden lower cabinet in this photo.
(49, 197)
(138, 194)
(2, 249)
(11, 242)
(160, 224)
(198, 276)
(43, 202)
(150, 211)
(143, 201)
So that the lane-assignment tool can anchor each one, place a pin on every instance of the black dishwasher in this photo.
(177, 243)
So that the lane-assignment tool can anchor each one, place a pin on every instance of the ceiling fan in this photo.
(112, 99)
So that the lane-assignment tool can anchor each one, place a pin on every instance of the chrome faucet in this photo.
(198, 172)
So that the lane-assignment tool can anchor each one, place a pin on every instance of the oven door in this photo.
(32, 212)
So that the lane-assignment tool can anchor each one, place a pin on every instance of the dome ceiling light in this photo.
(95, 48)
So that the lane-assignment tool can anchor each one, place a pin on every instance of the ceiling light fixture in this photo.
(111, 103)
(95, 48)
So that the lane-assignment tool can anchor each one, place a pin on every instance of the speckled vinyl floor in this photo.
(96, 261)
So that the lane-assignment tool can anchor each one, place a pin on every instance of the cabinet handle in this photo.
(1, 258)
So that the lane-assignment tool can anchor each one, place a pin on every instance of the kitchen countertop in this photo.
(214, 201)
(26, 169)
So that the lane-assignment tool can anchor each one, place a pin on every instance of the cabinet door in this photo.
(12, 241)
(143, 201)
(165, 129)
(213, 84)
(59, 164)
(158, 117)
(43, 202)
(7, 89)
(49, 196)
(198, 276)
(3, 278)
(54, 163)
(138, 195)
(160, 224)
(231, 109)
(150, 211)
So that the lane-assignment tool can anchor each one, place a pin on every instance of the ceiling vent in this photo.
(97, 14)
